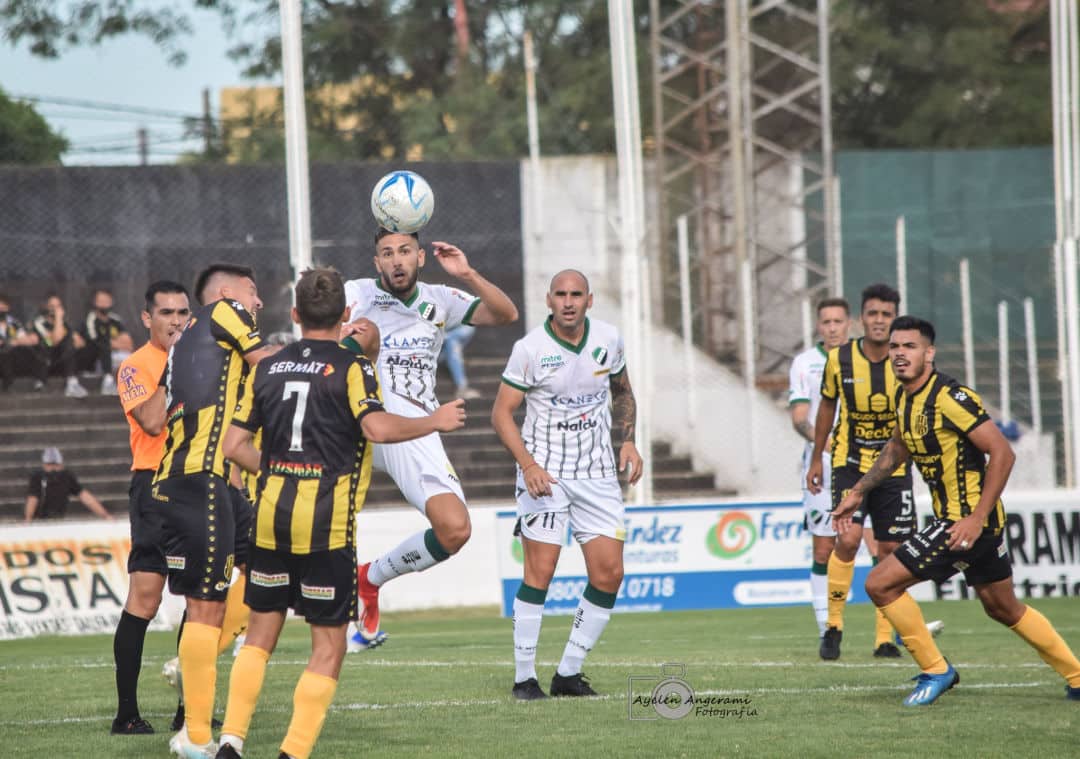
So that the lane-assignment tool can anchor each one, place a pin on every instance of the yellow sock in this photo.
(840, 575)
(906, 616)
(882, 629)
(245, 682)
(311, 699)
(1041, 635)
(236, 615)
(198, 667)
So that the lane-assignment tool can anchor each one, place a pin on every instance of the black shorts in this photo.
(890, 506)
(320, 587)
(145, 514)
(200, 536)
(243, 516)
(927, 556)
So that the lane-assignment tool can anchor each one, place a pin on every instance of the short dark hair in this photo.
(880, 291)
(834, 303)
(234, 270)
(97, 290)
(922, 326)
(162, 286)
(320, 298)
(383, 232)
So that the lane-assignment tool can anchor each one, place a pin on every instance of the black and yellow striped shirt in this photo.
(866, 391)
(203, 377)
(309, 400)
(935, 422)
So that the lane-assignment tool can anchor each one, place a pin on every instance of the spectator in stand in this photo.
(57, 345)
(108, 342)
(52, 485)
(453, 355)
(16, 346)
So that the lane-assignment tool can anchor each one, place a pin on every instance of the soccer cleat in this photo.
(227, 752)
(830, 643)
(357, 642)
(171, 672)
(180, 745)
(571, 685)
(935, 627)
(529, 690)
(1071, 693)
(134, 726)
(369, 597)
(928, 687)
(887, 651)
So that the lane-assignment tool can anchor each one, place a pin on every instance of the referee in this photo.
(167, 311)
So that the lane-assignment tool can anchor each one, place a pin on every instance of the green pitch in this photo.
(441, 687)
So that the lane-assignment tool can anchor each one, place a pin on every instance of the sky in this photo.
(127, 71)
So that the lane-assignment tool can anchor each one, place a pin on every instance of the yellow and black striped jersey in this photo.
(309, 400)
(866, 392)
(935, 422)
(203, 377)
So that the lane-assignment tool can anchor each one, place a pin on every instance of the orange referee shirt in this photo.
(137, 380)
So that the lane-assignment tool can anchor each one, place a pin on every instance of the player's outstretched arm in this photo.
(495, 306)
(624, 423)
(988, 439)
(822, 427)
(892, 456)
(384, 427)
(239, 447)
(537, 479)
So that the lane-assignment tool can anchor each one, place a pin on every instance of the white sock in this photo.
(589, 622)
(232, 740)
(527, 620)
(819, 597)
(415, 554)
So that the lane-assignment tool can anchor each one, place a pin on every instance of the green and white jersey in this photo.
(567, 390)
(412, 332)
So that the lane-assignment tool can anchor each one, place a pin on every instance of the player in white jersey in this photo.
(571, 373)
(412, 318)
(804, 395)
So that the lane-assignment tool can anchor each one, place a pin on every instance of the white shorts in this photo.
(587, 507)
(419, 467)
(817, 509)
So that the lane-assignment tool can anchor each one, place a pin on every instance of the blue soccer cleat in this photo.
(358, 641)
(1071, 693)
(928, 687)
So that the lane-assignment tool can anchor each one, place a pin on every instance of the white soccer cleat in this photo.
(171, 672)
(180, 745)
(935, 627)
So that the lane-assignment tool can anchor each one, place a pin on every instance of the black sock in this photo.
(127, 654)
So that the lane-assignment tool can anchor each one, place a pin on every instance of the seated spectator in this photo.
(17, 357)
(108, 342)
(453, 354)
(50, 487)
(57, 347)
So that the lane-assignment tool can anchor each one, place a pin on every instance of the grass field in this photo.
(441, 687)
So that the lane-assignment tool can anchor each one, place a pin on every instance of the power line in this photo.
(95, 105)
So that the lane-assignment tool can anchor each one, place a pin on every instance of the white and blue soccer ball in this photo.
(402, 201)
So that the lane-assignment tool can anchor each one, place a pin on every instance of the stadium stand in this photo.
(93, 436)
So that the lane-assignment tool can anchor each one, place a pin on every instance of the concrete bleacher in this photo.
(93, 436)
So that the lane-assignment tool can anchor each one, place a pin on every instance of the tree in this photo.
(925, 73)
(25, 137)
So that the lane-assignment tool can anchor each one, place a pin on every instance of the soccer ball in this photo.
(402, 201)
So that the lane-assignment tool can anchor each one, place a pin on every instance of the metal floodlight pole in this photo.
(533, 122)
(901, 264)
(1072, 312)
(635, 305)
(686, 319)
(296, 150)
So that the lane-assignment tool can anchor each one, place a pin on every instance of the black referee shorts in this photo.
(145, 515)
(200, 535)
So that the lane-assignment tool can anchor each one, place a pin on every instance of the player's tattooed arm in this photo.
(623, 407)
(892, 456)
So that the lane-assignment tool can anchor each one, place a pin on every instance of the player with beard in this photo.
(412, 318)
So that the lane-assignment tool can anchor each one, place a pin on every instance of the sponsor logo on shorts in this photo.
(316, 592)
(176, 562)
(270, 580)
(960, 566)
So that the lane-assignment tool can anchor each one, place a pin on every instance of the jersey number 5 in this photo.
(300, 390)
